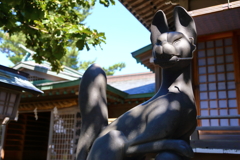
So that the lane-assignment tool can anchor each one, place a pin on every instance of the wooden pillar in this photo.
(2, 141)
(236, 51)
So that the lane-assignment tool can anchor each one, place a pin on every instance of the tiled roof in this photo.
(66, 74)
(138, 83)
(16, 79)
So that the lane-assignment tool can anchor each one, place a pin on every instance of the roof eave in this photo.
(203, 28)
(49, 72)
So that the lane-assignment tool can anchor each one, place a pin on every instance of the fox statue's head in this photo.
(171, 47)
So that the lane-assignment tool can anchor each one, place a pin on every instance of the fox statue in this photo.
(160, 126)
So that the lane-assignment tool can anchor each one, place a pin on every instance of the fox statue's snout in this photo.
(171, 47)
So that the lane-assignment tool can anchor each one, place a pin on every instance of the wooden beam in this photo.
(134, 2)
(48, 105)
(219, 117)
(137, 14)
(184, 4)
(219, 128)
(160, 4)
(141, 6)
(215, 144)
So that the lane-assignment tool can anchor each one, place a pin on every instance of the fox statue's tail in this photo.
(93, 108)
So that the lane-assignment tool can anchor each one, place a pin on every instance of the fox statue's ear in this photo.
(184, 23)
(159, 25)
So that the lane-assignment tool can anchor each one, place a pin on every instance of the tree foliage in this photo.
(10, 46)
(13, 48)
(50, 26)
(71, 58)
(109, 70)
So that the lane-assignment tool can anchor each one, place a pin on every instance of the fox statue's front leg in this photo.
(114, 146)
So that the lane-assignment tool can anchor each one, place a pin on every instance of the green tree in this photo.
(10, 46)
(109, 70)
(71, 58)
(50, 26)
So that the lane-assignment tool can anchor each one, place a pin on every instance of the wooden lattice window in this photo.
(65, 130)
(216, 81)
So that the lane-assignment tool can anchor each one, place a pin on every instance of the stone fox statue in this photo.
(160, 126)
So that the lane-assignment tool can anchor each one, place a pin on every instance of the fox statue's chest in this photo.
(176, 108)
(171, 102)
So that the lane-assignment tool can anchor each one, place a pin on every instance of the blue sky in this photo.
(4, 60)
(125, 34)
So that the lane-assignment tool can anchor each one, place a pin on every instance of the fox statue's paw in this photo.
(181, 147)
(175, 150)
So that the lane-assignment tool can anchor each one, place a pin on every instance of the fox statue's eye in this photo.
(176, 41)
(159, 42)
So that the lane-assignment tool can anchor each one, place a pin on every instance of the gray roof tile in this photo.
(134, 84)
